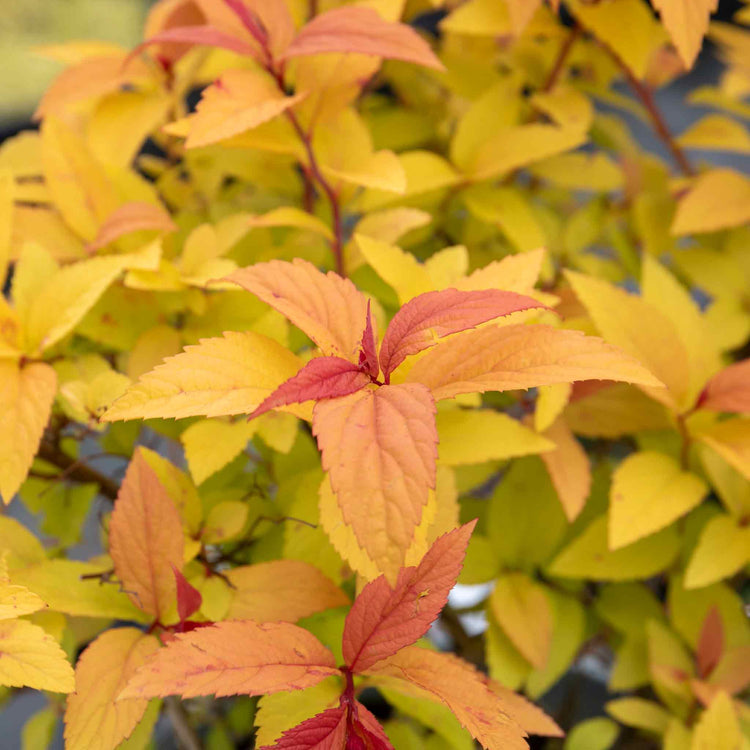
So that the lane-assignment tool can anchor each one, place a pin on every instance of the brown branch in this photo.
(75, 469)
(562, 56)
(187, 737)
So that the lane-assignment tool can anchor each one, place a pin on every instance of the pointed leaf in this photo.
(26, 396)
(17, 600)
(198, 35)
(329, 309)
(368, 354)
(281, 590)
(380, 447)
(145, 539)
(383, 620)
(135, 216)
(718, 726)
(428, 317)
(524, 356)
(364, 31)
(94, 719)
(366, 728)
(728, 390)
(321, 378)
(217, 377)
(710, 643)
(189, 599)
(722, 549)
(326, 731)
(687, 22)
(235, 658)
(731, 440)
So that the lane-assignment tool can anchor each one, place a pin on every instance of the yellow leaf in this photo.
(551, 400)
(716, 132)
(718, 726)
(639, 329)
(94, 718)
(390, 224)
(217, 377)
(288, 216)
(686, 22)
(521, 12)
(639, 713)
(151, 349)
(732, 487)
(649, 491)
(20, 546)
(522, 609)
(31, 658)
(224, 521)
(26, 396)
(7, 197)
(581, 171)
(722, 549)
(718, 199)
(16, 600)
(670, 667)
(470, 436)
(211, 444)
(588, 556)
(731, 440)
(479, 18)
(514, 273)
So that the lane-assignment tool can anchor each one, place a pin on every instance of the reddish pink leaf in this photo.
(364, 31)
(364, 731)
(428, 317)
(323, 377)
(711, 643)
(326, 731)
(383, 620)
(368, 355)
(132, 217)
(176, 14)
(189, 599)
(728, 390)
(249, 21)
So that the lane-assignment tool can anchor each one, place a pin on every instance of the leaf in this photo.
(723, 548)
(448, 679)
(288, 216)
(367, 729)
(383, 620)
(522, 356)
(321, 378)
(649, 491)
(211, 444)
(728, 390)
(687, 22)
(364, 31)
(639, 713)
(716, 132)
(305, 591)
(216, 377)
(329, 309)
(145, 539)
(26, 396)
(94, 719)
(527, 715)
(325, 731)
(710, 643)
(135, 216)
(522, 609)
(234, 658)
(380, 447)
(592, 734)
(718, 199)
(433, 315)
(208, 36)
(731, 440)
(718, 726)
(189, 599)
(588, 556)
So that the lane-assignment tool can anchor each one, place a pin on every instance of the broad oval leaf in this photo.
(430, 316)
(234, 658)
(380, 448)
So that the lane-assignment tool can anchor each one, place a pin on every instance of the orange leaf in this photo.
(383, 620)
(281, 590)
(198, 35)
(325, 731)
(364, 31)
(380, 447)
(728, 390)
(145, 539)
(430, 316)
(232, 658)
(94, 720)
(132, 217)
(710, 643)
(528, 716)
(454, 682)
(686, 22)
(511, 357)
(324, 377)
(329, 309)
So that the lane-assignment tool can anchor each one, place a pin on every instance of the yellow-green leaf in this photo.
(722, 549)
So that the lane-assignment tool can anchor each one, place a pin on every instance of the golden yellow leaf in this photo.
(580, 171)
(722, 549)
(479, 18)
(718, 726)
(731, 486)
(211, 444)
(551, 400)
(731, 440)
(26, 396)
(639, 713)
(716, 132)
(217, 377)
(31, 658)
(20, 546)
(289, 216)
(7, 197)
(514, 273)
(649, 491)
(686, 22)
(16, 600)
(94, 718)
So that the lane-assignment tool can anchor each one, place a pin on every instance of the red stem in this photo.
(562, 56)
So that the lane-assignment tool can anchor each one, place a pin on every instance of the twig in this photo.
(187, 737)
(559, 65)
(75, 469)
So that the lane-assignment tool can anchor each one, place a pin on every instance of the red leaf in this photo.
(365, 732)
(383, 620)
(189, 599)
(132, 217)
(711, 643)
(325, 731)
(368, 355)
(428, 317)
(362, 30)
(323, 377)
(728, 390)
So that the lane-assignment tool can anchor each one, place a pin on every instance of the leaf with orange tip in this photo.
(457, 684)
(528, 716)
(145, 539)
(324, 377)
(686, 22)
(364, 31)
(710, 643)
(329, 309)
(325, 731)
(257, 591)
(728, 390)
(131, 217)
(380, 447)
(235, 658)
(522, 356)
(383, 620)
(94, 719)
(430, 316)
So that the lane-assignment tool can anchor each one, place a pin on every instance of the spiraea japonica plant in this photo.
(316, 308)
